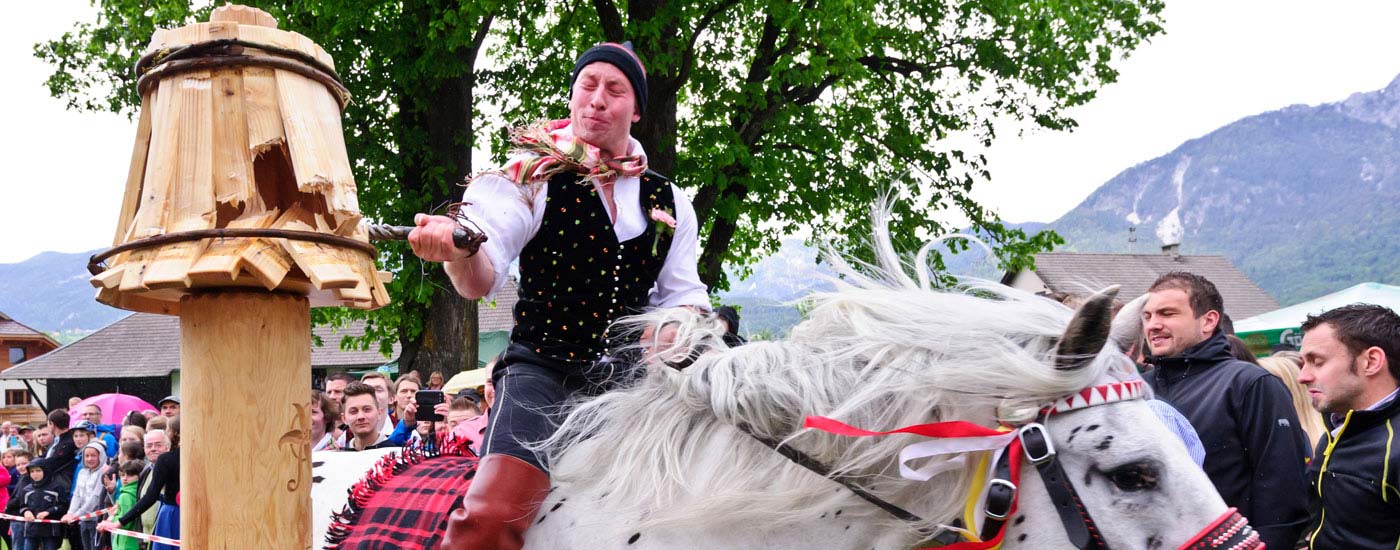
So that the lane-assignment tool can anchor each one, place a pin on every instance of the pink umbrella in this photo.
(115, 407)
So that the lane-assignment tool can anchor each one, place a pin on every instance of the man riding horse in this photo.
(598, 237)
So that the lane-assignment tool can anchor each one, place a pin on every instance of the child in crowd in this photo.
(130, 472)
(7, 460)
(44, 498)
(89, 494)
(22, 481)
(129, 450)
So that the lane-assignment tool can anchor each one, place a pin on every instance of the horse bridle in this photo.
(1032, 444)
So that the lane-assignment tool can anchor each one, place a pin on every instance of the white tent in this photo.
(1280, 325)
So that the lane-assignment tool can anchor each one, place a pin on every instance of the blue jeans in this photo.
(17, 535)
(92, 539)
(43, 543)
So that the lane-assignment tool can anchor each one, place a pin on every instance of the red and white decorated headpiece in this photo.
(1098, 395)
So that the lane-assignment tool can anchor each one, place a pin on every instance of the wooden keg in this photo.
(239, 137)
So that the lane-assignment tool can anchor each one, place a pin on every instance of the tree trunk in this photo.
(448, 341)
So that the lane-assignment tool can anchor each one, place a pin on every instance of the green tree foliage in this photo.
(777, 115)
(782, 114)
(411, 66)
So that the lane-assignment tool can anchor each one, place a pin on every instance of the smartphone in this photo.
(427, 400)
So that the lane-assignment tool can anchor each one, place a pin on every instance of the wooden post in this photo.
(245, 447)
(250, 145)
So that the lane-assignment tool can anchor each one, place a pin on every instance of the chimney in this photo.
(1173, 250)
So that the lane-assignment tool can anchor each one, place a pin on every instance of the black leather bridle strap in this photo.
(1079, 527)
(806, 461)
(1001, 495)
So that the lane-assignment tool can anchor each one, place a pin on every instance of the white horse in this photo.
(664, 463)
(675, 460)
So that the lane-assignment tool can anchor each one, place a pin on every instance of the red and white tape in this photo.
(96, 513)
(89, 515)
(142, 536)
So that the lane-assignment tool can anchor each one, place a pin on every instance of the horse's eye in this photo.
(1138, 476)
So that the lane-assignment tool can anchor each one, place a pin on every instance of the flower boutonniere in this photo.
(665, 223)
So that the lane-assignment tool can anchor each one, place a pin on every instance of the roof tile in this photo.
(1073, 273)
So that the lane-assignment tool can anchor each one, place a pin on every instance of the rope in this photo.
(97, 513)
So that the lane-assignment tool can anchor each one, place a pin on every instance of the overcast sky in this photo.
(1219, 61)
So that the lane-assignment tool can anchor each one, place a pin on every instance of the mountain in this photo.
(1302, 199)
(50, 292)
(764, 295)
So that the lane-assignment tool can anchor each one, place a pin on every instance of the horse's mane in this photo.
(882, 350)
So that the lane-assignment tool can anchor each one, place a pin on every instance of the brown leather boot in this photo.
(498, 507)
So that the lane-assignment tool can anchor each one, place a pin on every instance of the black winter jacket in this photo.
(1255, 448)
(1355, 503)
(62, 459)
(45, 496)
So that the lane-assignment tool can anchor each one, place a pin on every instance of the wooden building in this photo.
(140, 355)
(1071, 277)
(21, 344)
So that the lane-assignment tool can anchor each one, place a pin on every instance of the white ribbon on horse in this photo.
(959, 447)
(955, 438)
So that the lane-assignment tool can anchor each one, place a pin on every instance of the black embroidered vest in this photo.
(576, 278)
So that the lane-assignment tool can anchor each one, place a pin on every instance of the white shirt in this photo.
(510, 217)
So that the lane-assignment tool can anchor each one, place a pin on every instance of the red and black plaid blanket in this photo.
(405, 499)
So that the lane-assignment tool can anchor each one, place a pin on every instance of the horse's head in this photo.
(1132, 475)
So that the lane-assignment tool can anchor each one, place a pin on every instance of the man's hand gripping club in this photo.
(434, 238)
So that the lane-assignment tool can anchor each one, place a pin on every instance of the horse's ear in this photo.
(1088, 331)
(1127, 325)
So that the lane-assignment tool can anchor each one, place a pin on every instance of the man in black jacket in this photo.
(1255, 447)
(1350, 370)
(63, 455)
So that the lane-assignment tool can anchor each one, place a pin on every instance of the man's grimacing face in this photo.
(602, 106)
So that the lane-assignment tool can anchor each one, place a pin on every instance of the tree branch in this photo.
(904, 67)
(688, 55)
(784, 146)
(610, 19)
(803, 95)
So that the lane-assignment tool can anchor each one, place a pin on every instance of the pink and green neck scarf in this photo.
(549, 148)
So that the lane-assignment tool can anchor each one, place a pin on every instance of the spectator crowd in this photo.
(372, 412)
(1300, 441)
(74, 480)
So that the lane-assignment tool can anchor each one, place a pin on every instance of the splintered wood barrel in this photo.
(240, 214)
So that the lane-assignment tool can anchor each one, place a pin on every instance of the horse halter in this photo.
(1029, 443)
